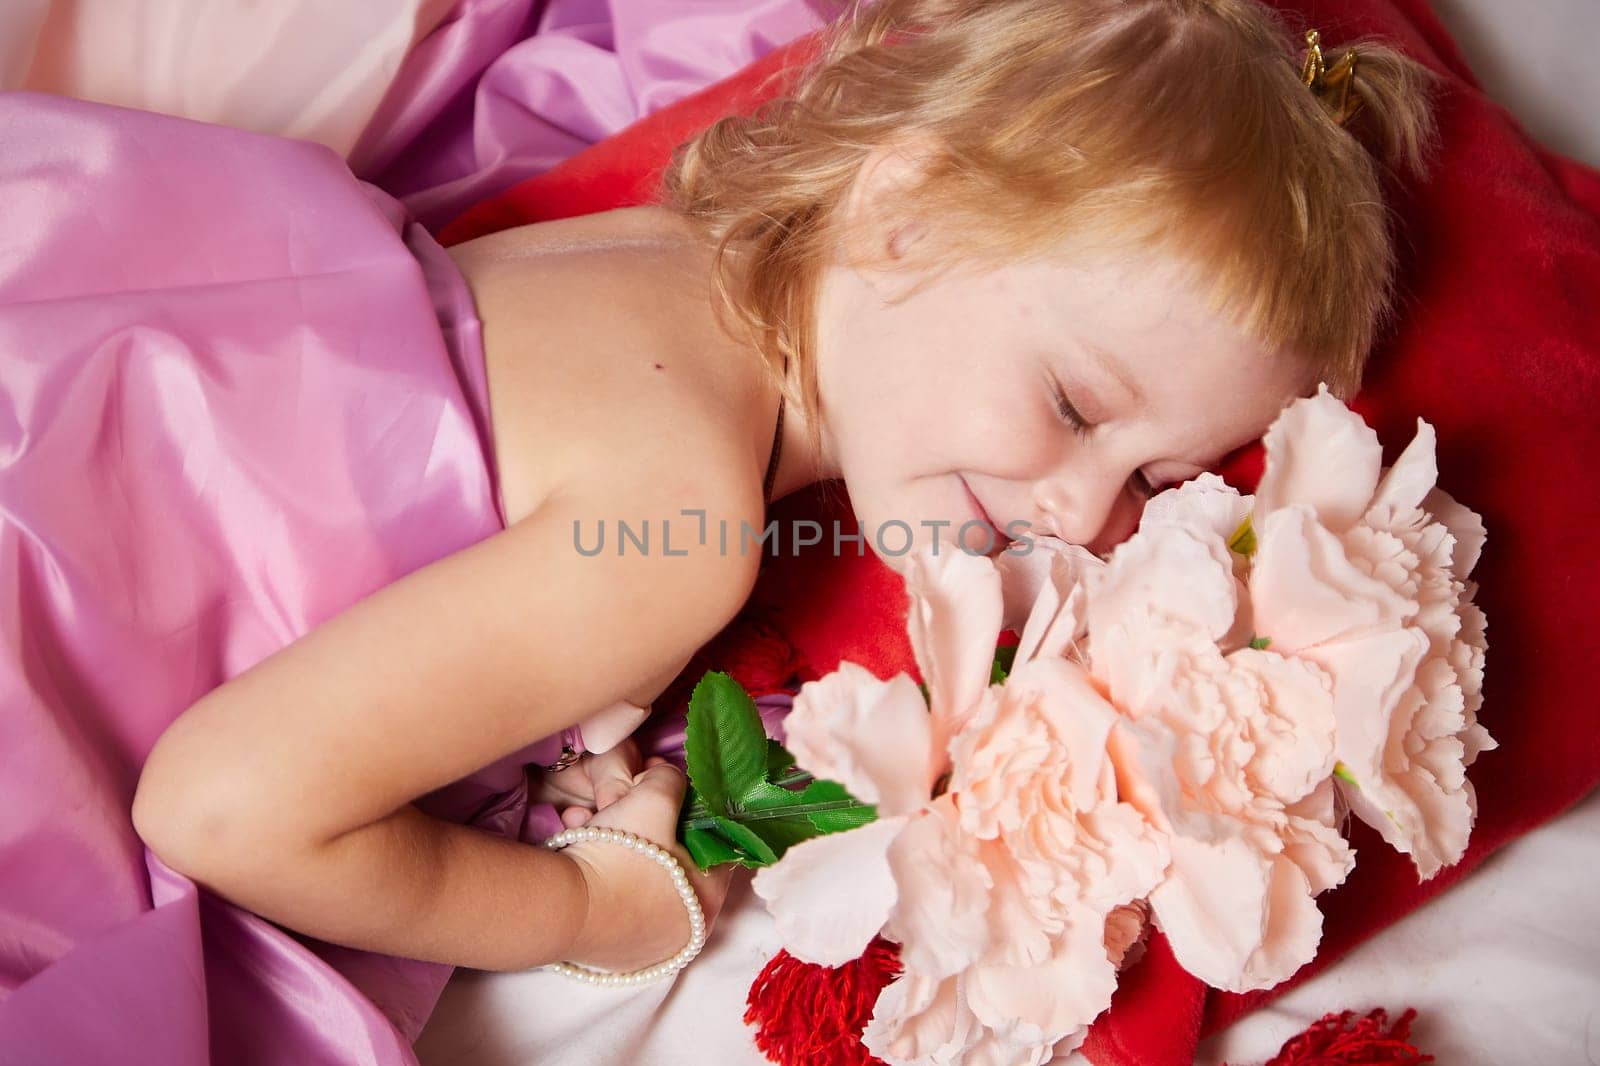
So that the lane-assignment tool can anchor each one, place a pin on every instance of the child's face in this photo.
(950, 390)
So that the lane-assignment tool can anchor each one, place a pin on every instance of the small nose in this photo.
(1096, 511)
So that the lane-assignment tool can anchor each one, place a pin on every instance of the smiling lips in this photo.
(973, 499)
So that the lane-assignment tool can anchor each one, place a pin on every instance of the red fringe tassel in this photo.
(1370, 1041)
(810, 1015)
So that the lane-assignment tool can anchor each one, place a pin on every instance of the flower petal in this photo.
(953, 623)
(1313, 842)
(1213, 908)
(920, 1021)
(1372, 676)
(1024, 574)
(1407, 483)
(1464, 524)
(940, 917)
(1320, 454)
(1080, 716)
(871, 736)
(1178, 573)
(1293, 929)
(1305, 591)
(830, 895)
(1295, 748)
(989, 1049)
(1205, 502)
(1043, 592)
(1055, 999)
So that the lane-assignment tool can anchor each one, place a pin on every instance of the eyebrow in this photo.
(1109, 365)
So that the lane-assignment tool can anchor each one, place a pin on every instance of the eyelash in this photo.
(1080, 425)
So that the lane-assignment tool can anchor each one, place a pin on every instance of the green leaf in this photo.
(766, 796)
(753, 850)
(707, 849)
(922, 688)
(1243, 540)
(837, 821)
(1260, 643)
(778, 832)
(778, 759)
(725, 744)
(1003, 660)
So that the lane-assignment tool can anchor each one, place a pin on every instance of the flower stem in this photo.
(800, 810)
(698, 809)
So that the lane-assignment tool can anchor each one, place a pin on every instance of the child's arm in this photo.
(287, 789)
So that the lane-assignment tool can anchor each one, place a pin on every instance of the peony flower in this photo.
(1362, 571)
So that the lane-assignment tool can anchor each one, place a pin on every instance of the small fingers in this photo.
(665, 776)
(612, 772)
(571, 785)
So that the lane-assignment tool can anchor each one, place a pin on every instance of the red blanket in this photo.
(1498, 346)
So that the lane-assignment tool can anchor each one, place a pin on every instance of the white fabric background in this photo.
(314, 69)
(1538, 60)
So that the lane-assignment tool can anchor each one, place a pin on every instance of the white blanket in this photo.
(1503, 969)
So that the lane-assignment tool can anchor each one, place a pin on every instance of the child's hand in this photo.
(594, 781)
(570, 790)
(635, 917)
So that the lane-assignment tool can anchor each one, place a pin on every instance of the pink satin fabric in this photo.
(501, 90)
(239, 391)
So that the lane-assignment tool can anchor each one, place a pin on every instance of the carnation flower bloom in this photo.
(1366, 577)
(927, 1020)
(1228, 752)
(998, 888)
(1165, 744)
(830, 895)
(1032, 782)
(1033, 800)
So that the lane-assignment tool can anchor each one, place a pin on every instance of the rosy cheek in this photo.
(1122, 522)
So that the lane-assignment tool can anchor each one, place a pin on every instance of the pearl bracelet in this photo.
(680, 881)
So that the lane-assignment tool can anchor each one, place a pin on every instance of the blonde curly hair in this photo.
(1180, 124)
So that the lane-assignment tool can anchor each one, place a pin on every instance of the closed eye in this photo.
(1082, 427)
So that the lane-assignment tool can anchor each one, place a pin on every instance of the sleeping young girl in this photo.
(1001, 266)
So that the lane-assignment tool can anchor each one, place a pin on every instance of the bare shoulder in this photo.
(610, 383)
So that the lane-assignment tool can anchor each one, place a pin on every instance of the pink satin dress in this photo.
(239, 391)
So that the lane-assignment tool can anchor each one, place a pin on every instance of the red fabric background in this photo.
(1498, 346)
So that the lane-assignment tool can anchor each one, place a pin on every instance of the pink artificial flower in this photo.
(1033, 785)
(1043, 593)
(999, 888)
(1223, 750)
(1126, 927)
(926, 1020)
(830, 895)
(1363, 572)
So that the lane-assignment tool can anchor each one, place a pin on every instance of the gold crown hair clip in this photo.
(1332, 86)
